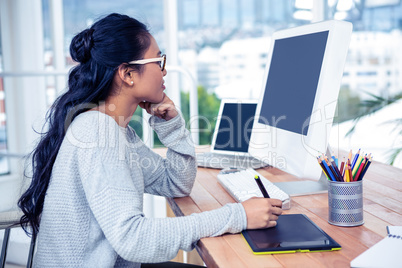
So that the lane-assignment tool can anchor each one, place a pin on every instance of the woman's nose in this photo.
(164, 72)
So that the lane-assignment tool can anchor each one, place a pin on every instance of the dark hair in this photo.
(99, 50)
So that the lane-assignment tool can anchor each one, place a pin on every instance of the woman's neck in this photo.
(120, 110)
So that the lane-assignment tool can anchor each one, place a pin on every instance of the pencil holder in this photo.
(345, 203)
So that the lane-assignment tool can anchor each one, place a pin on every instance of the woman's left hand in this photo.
(165, 109)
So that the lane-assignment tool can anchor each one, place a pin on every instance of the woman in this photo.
(90, 170)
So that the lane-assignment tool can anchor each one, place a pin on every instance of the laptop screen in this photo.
(235, 125)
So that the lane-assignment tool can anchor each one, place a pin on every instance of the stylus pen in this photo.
(261, 186)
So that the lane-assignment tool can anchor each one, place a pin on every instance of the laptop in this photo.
(230, 143)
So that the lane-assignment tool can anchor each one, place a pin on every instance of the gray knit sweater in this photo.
(93, 211)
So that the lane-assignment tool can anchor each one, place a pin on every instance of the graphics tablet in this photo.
(293, 233)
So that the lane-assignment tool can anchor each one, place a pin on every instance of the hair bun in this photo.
(81, 45)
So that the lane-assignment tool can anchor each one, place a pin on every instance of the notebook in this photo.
(386, 253)
(293, 233)
(230, 143)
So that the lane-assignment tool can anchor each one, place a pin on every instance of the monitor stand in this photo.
(296, 188)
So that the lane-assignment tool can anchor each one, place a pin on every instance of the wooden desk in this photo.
(382, 189)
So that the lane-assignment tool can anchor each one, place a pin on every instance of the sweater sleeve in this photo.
(139, 239)
(114, 192)
(174, 175)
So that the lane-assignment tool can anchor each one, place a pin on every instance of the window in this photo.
(4, 163)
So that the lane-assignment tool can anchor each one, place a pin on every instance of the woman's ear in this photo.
(126, 74)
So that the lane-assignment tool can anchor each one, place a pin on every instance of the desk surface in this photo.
(382, 205)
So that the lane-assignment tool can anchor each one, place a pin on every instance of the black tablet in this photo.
(293, 233)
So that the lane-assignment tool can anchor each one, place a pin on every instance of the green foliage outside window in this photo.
(348, 105)
(136, 122)
(351, 107)
(208, 108)
(374, 104)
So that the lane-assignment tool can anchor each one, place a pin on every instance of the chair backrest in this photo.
(8, 220)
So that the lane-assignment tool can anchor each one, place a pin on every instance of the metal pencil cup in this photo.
(345, 203)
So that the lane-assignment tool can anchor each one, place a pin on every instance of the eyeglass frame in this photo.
(145, 61)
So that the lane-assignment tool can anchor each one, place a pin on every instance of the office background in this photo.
(220, 50)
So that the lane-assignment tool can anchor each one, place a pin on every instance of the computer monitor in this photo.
(298, 101)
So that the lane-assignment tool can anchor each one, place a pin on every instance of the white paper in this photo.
(386, 253)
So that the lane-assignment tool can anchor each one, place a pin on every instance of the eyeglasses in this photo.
(161, 60)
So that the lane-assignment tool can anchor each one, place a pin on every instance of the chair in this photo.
(9, 220)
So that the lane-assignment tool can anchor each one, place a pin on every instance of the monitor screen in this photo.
(292, 82)
(235, 126)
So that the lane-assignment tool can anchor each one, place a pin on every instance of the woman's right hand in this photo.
(165, 109)
(262, 212)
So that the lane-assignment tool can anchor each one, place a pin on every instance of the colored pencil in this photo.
(338, 173)
(355, 159)
(333, 172)
(357, 165)
(342, 166)
(335, 159)
(323, 168)
(364, 170)
(329, 171)
(360, 170)
(331, 167)
(350, 173)
(346, 177)
(347, 170)
(350, 155)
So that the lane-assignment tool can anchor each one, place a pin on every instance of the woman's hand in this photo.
(262, 212)
(165, 109)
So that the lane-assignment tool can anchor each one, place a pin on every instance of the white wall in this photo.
(25, 97)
